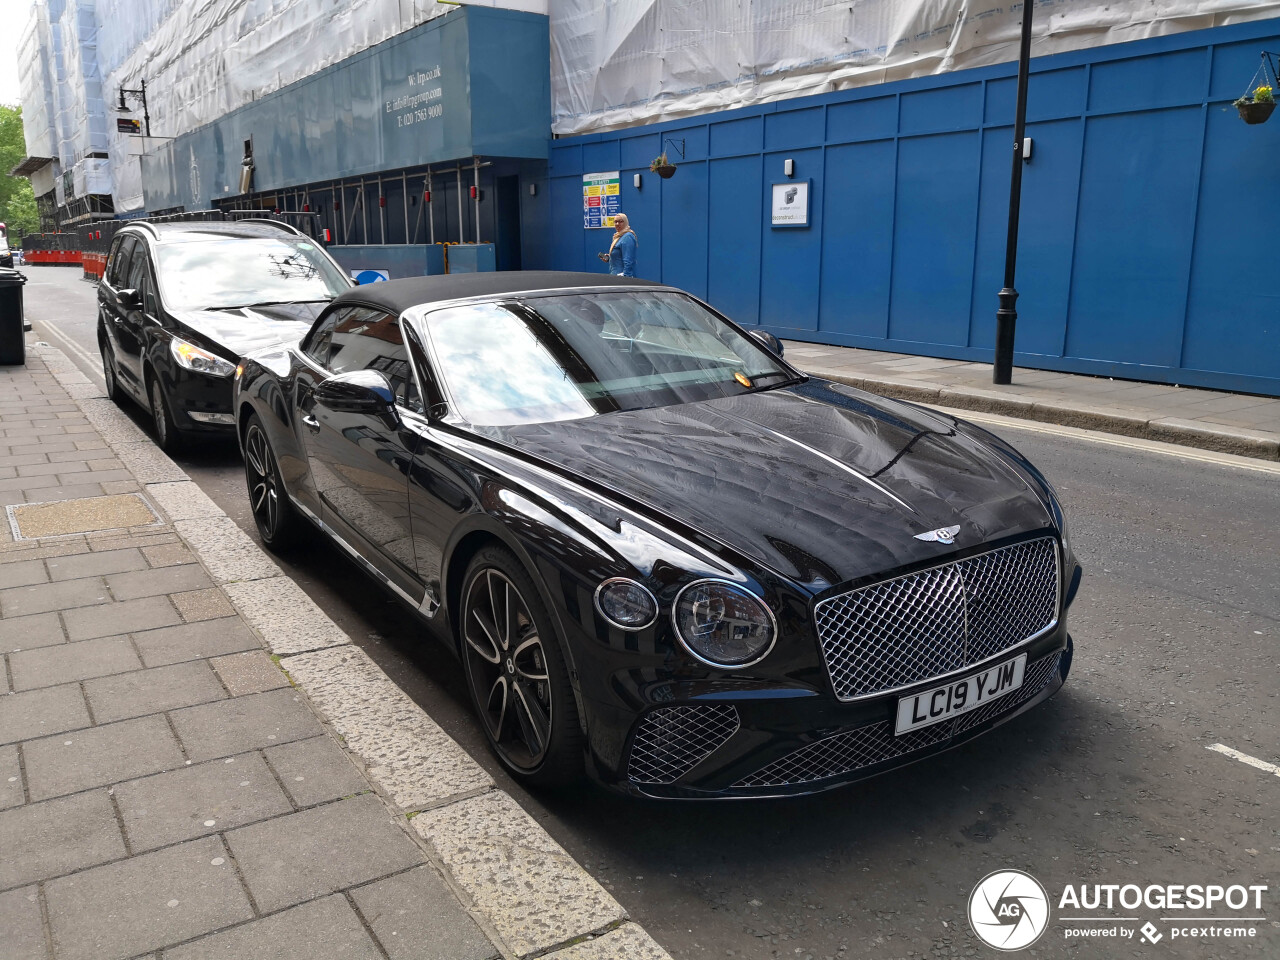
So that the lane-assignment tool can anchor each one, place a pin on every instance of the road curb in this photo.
(492, 863)
(1221, 439)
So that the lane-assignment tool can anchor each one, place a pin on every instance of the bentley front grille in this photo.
(875, 743)
(671, 741)
(928, 624)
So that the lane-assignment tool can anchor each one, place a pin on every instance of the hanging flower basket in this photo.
(1255, 111)
(1258, 101)
(662, 166)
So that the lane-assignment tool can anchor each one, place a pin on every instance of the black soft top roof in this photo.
(396, 296)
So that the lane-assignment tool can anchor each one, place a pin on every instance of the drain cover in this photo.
(61, 518)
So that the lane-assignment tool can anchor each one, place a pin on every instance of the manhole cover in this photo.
(62, 518)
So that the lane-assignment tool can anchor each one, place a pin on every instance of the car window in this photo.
(571, 356)
(118, 269)
(367, 339)
(199, 273)
(317, 342)
(137, 279)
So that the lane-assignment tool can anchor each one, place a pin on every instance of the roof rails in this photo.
(273, 222)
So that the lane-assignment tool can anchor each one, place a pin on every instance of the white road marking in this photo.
(1226, 751)
(1115, 440)
(94, 370)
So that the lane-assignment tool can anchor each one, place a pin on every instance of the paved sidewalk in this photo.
(1210, 419)
(196, 763)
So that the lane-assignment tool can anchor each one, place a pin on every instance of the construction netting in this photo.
(624, 62)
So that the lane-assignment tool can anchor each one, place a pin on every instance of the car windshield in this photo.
(244, 271)
(569, 357)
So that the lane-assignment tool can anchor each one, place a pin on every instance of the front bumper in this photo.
(721, 746)
(201, 404)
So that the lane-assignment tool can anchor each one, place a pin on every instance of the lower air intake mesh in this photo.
(671, 741)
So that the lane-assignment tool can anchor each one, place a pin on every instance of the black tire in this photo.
(114, 391)
(168, 438)
(516, 672)
(278, 522)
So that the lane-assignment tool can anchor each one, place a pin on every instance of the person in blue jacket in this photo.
(622, 252)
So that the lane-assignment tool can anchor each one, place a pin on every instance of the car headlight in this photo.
(626, 604)
(722, 624)
(201, 361)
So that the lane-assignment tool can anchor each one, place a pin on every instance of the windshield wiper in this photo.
(274, 303)
(787, 380)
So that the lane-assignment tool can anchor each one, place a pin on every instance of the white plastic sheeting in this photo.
(623, 62)
(35, 81)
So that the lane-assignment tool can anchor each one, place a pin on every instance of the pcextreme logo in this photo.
(1009, 910)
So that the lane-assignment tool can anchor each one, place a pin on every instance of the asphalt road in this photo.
(1111, 782)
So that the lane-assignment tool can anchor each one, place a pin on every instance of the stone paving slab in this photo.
(414, 917)
(285, 617)
(127, 908)
(117, 618)
(233, 726)
(315, 771)
(11, 792)
(190, 641)
(249, 672)
(42, 712)
(21, 923)
(327, 928)
(97, 756)
(126, 695)
(55, 837)
(194, 801)
(63, 663)
(322, 850)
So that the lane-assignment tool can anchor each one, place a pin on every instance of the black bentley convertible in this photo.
(660, 551)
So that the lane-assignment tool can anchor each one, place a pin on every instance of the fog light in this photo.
(626, 604)
(201, 417)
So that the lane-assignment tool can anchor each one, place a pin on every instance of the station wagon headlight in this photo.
(722, 624)
(201, 361)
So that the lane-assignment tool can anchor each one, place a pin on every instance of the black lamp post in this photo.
(140, 94)
(1007, 315)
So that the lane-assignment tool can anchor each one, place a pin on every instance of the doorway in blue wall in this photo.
(507, 251)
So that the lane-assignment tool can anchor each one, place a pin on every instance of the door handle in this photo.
(312, 423)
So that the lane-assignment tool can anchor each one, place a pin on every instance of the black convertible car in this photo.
(655, 545)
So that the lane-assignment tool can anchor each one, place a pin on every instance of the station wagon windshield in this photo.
(243, 271)
(568, 357)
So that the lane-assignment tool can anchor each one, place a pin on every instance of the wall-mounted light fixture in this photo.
(533, 189)
(1026, 149)
(789, 167)
(636, 181)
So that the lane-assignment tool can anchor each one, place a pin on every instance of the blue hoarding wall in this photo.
(1149, 213)
(473, 82)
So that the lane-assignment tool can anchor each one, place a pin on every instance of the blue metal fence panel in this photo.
(1147, 212)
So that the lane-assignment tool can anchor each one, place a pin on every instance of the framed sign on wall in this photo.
(791, 203)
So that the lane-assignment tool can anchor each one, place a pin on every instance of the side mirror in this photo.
(129, 298)
(768, 341)
(359, 391)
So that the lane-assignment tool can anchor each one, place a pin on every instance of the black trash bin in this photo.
(13, 344)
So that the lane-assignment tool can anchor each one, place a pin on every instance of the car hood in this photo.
(242, 330)
(820, 482)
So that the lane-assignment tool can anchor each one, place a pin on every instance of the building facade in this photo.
(841, 171)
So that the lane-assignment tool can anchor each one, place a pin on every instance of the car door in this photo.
(110, 310)
(133, 318)
(360, 462)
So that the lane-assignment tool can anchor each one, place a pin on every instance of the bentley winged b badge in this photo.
(941, 535)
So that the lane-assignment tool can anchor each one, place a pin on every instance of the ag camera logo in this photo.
(1009, 910)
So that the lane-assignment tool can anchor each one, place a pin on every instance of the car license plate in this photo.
(961, 696)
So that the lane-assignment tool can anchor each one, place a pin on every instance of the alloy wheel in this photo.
(507, 668)
(159, 414)
(264, 490)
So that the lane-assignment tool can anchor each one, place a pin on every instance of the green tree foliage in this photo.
(17, 202)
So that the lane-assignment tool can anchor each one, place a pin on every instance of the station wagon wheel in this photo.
(114, 392)
(272, 512)
(516, 673)
(168, 438)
